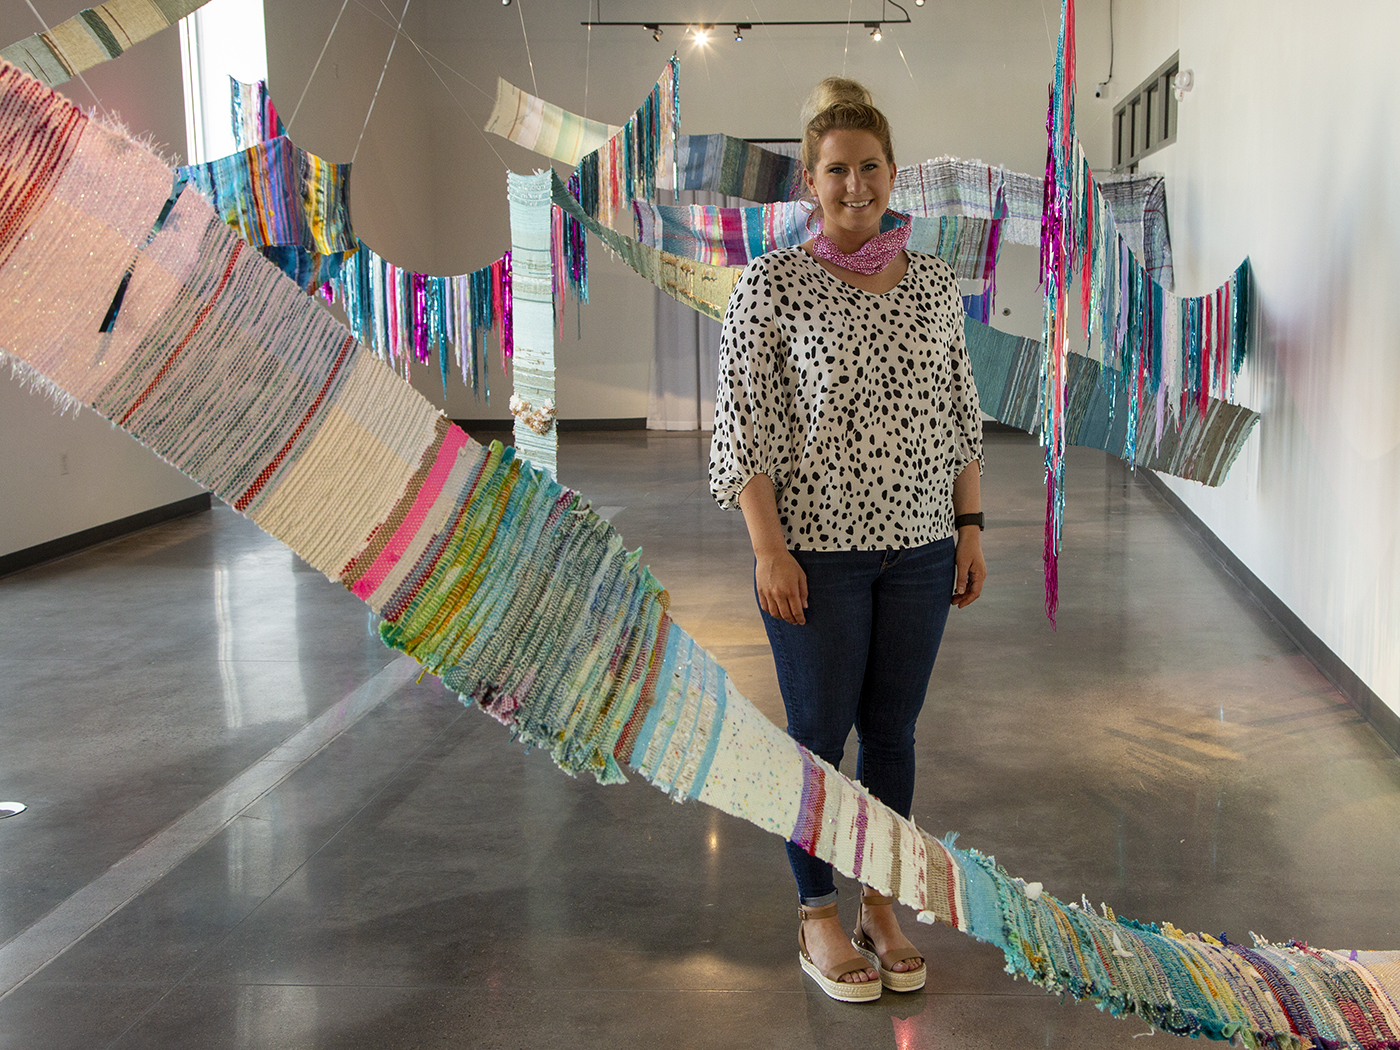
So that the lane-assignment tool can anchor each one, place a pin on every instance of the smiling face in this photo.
(852, 183)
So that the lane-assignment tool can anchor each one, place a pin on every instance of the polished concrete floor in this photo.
(249, 826)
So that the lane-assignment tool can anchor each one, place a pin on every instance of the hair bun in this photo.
(830, 92)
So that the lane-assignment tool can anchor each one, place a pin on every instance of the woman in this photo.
(847, 431)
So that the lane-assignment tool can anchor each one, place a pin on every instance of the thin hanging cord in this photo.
(768, 35)
(334, 26)
(470, 119)
(905, 61)
(587, 59)
(48, 33)
(849, 8)
(421, 49)
(377, 86)
(520, 8)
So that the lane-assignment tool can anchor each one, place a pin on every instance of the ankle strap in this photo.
(876, 899)
(824, 911)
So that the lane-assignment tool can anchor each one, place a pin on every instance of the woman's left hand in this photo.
(972, 567)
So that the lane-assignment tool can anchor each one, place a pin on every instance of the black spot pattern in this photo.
(860, 407)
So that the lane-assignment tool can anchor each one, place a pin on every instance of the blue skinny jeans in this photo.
(863, 660)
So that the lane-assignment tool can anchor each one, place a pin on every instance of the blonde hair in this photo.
(839, 104)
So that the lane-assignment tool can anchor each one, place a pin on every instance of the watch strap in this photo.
(978, 519)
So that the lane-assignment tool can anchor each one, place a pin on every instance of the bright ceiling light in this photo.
(702, 35)
(876, 35)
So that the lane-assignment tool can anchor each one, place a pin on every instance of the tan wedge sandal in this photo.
(829, 980)
(894, 980)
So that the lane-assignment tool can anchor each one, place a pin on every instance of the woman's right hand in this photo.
(782, 586)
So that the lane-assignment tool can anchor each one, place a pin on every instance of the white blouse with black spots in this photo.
(859, 407)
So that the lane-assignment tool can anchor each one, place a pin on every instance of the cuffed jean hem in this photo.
(817, 902)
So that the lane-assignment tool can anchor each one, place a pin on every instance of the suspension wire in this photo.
(849, 8)
(423, 50)
(520, 9)
(334, 26)
(375, 97)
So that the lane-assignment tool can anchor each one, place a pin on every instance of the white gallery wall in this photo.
(1288, 151)
(60, 474)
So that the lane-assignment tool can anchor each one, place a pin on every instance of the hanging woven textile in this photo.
(1169, 356)
(568, 247)
(253, 116)
(505, 585)
(94, 36)
(724, 164)
(724, 236)
(1201, 448)
(532, 304)
(719, 163)
(403, 316)
(537, 125)
(638, 160)
(291, 205)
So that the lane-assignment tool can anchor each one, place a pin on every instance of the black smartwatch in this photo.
(978, 519)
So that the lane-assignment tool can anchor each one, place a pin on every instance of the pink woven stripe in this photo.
(452, 442)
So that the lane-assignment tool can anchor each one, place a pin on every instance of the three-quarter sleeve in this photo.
(753, 424)
(967, 410)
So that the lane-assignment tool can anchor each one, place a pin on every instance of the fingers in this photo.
(792, 603)
(970, 586)
(782, 592)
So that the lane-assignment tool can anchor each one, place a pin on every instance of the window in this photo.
(1145, 120)
(223, 38)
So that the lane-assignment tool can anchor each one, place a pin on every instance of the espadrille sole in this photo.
(895, 981)
(842, 991)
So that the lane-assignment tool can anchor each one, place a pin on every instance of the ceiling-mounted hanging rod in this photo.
(708, 25)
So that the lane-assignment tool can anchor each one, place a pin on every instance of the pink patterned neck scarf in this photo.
(871, 257)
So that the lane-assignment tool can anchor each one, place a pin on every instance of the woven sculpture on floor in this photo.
(503, 583)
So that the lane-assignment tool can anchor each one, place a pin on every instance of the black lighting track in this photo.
(709, 26)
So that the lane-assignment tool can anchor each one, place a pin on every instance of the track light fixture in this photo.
(700, 31)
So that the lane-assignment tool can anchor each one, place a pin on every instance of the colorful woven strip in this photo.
(1168, 354)
(94, 36)
(638, 160)
(291, 205)
(1201, 447)
(537, 125)
(507, 586)
(532, 304)
(702, 162)
(702, 286)
(724, 164)
(251, 112)
(405, 316)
